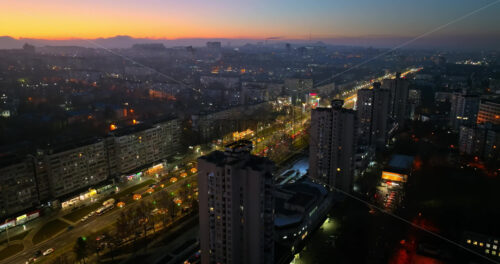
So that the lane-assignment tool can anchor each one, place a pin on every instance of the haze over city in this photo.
(377, 23)
(252, 132)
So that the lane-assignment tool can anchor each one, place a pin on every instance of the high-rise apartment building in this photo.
(18, 189)
(372, 109)
(236, 206)
(141, 145)
(489, 112)
(76, 166)
(333, 146)
(67, 169)
(464, 108)
(482, 140)
(399, 88)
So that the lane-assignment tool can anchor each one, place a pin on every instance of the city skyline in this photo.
(344, 22)
(252, 132)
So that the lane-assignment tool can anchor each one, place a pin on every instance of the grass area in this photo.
(19, 236)
(78, 214)
(172, 231)
(10, 251)
(48, 230)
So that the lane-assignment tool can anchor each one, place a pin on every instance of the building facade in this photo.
(399, 88)
(142, 145)
(75, 167)
(464, 109)
(332, 147)
(489, 112)
(372, 109)
(482, 140)
(236, 207)
(18, 189)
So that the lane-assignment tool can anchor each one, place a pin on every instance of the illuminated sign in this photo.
(239, 135)
(392, 176)
(92, 192)
(21, 217)
(155, 168)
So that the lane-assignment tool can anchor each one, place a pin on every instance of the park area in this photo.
(48, 230)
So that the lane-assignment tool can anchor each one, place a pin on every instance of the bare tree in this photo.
(81, 249)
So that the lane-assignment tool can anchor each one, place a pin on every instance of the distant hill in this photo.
(112, 42)
(458, 42)
(7, 42)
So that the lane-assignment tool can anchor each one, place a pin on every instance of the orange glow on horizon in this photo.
(57, 23)
(59, 20)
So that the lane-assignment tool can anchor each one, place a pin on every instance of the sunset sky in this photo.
(62, 19)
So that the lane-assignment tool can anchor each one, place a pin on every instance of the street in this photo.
(68, 237)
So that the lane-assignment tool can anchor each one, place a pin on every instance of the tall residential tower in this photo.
(333, 146)
(372, 109)
(399, 88)
(236, 206)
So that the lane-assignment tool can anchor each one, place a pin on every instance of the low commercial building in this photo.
(398, 170)
(300, 208)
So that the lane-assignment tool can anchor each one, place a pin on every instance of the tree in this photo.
(143, 212)
(63, 259)
(122, 226)
(94, 246)
(81, 249)
(164, 202)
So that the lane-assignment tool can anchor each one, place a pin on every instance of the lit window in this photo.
(495, 246)
(475, 243)
(468, 241)
(487, 251)
(488, 245)
(481, 244)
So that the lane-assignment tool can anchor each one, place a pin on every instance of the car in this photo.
(101, 237)
(84, 218)
(48, 251)
(38, 253)
(155, 211)
(31, 260)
